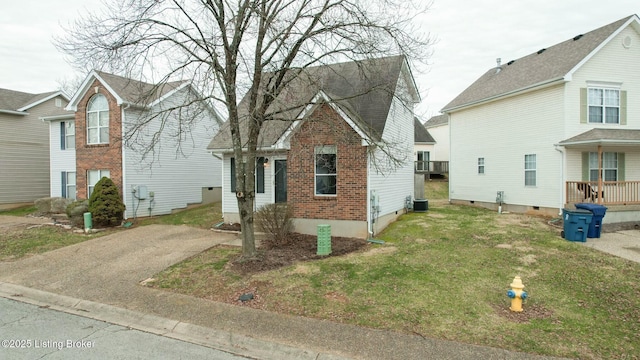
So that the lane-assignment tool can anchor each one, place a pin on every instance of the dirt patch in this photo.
(301, 248)
(528, 313)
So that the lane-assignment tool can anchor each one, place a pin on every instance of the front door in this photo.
(281, 180)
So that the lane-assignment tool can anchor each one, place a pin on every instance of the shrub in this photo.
(105, 204)
(276, 221)
(75, 212)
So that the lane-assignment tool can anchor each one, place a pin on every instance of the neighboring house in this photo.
(438, 127)
(24, 144)
(343, 156)
(115, 132)
(423, 144)
(556, 127)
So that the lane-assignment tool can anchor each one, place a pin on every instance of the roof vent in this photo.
(498, 67)
(577, 37)
(541, 51)
(511, 62)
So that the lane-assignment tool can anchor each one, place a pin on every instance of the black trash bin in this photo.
(598, 212)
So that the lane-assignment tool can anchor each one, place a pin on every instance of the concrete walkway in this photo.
(624, 244)
(100, 278)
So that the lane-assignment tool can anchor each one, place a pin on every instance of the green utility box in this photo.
(324, 239)
(88, 222)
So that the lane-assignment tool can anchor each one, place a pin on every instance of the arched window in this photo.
(98, 120)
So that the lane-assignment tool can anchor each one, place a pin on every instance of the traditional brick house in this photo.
(134, 133)
(341, 153)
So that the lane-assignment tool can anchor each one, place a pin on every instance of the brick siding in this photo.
(102, 156)
(326, 127)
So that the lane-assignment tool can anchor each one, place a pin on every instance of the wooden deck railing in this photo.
(431, 167)
(612, 193)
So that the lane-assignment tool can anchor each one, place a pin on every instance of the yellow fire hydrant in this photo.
(516, 294)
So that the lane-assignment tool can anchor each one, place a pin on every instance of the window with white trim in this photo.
(609, 166)
(480, 165)
(69, 135)
(98, 120)
(69, 185)
(604, 105)
(93, 176)
(326, 170)
(530, 170)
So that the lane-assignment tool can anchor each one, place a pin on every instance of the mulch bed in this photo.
(301, 248)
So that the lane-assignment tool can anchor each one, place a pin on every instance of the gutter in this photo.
(13, 112)
(507, 94)
(599, 142)
(562, 176)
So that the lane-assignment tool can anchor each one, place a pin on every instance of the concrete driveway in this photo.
(116, 262)
(624, 244)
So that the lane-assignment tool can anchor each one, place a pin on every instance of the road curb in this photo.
(221, 340)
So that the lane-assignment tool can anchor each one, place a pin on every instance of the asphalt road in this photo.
(31, 332)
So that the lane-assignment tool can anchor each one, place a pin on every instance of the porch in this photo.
(429, 168)
(611, 193)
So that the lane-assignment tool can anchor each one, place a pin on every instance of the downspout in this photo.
(562, 179)
(367, 208)
(124, 173)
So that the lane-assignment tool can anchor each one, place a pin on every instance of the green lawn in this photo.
(203, 217)
(444, 274)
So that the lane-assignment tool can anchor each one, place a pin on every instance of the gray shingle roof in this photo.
(614, 136)
(421, 134)
(437, 120)
(137, 92)
(543, 66)
(13, 100)
(361, 89)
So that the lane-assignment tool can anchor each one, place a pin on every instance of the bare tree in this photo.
(232, 48)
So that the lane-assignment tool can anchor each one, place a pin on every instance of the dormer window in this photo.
(604, 105)
(98, 120)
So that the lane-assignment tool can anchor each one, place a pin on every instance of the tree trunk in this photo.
(245, 206)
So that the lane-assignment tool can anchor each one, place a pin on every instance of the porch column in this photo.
(600, 189)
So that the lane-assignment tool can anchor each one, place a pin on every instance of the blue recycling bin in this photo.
(576, 224)
(598, 212)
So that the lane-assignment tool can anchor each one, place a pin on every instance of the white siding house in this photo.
(155, 151)
(536, 127)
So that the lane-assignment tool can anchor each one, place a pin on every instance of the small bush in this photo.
(105, 204)
(75, 212)
(276, 221)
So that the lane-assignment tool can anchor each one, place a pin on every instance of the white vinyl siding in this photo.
(177, 179)
(393, 182)
(61, 161)
(505, 131)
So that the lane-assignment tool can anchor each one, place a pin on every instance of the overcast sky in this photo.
(469, 34)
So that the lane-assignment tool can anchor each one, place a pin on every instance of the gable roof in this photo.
(126, 90)
(361, 91)
(546, 66)
(18, 102)
(421, 134)
(437, 120)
